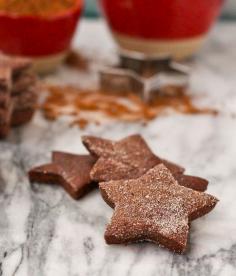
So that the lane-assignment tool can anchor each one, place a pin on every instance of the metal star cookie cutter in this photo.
(143, 74)
(149, 65)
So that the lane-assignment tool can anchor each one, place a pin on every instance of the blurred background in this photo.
(91, 9)
(229, 12)
(182, 38)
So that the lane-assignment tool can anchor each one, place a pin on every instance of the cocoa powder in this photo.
(129, 107)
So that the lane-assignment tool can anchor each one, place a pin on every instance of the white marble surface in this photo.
(43, 232)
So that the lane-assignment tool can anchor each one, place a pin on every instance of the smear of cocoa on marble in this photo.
(84, 105)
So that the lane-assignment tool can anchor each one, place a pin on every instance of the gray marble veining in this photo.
(43, 232)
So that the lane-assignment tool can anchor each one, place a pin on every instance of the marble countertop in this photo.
(43, 232)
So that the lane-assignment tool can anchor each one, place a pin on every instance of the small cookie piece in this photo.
(153, 208)
(129, 158)
(68, 170)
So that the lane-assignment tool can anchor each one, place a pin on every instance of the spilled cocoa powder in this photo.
(84, 105)
(42, 8)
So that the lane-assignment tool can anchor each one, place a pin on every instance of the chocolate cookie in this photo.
(16, 64)
(5, 121)
(21, 117)
(153, 208)
(5, 79)
(26, 100)
(68, 170)
(4, 100)
(192, 182)
(18, 92)
(23, 81)
(24, 107)
(130, 158)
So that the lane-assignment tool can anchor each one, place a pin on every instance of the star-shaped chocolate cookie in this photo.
(153, 208)
(130, 158)
(70, 171)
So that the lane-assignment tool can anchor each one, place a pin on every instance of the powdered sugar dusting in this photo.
(153, 207)
(128, 158)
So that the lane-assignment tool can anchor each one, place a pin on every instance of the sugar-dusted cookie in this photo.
(130, 158)
(70, 171)
(153, 208)
(18, 92)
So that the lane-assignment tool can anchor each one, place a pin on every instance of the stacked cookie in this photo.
(18, 93)
(153, 199)
(6, 105)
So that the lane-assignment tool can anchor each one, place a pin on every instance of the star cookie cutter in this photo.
(143, 74)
